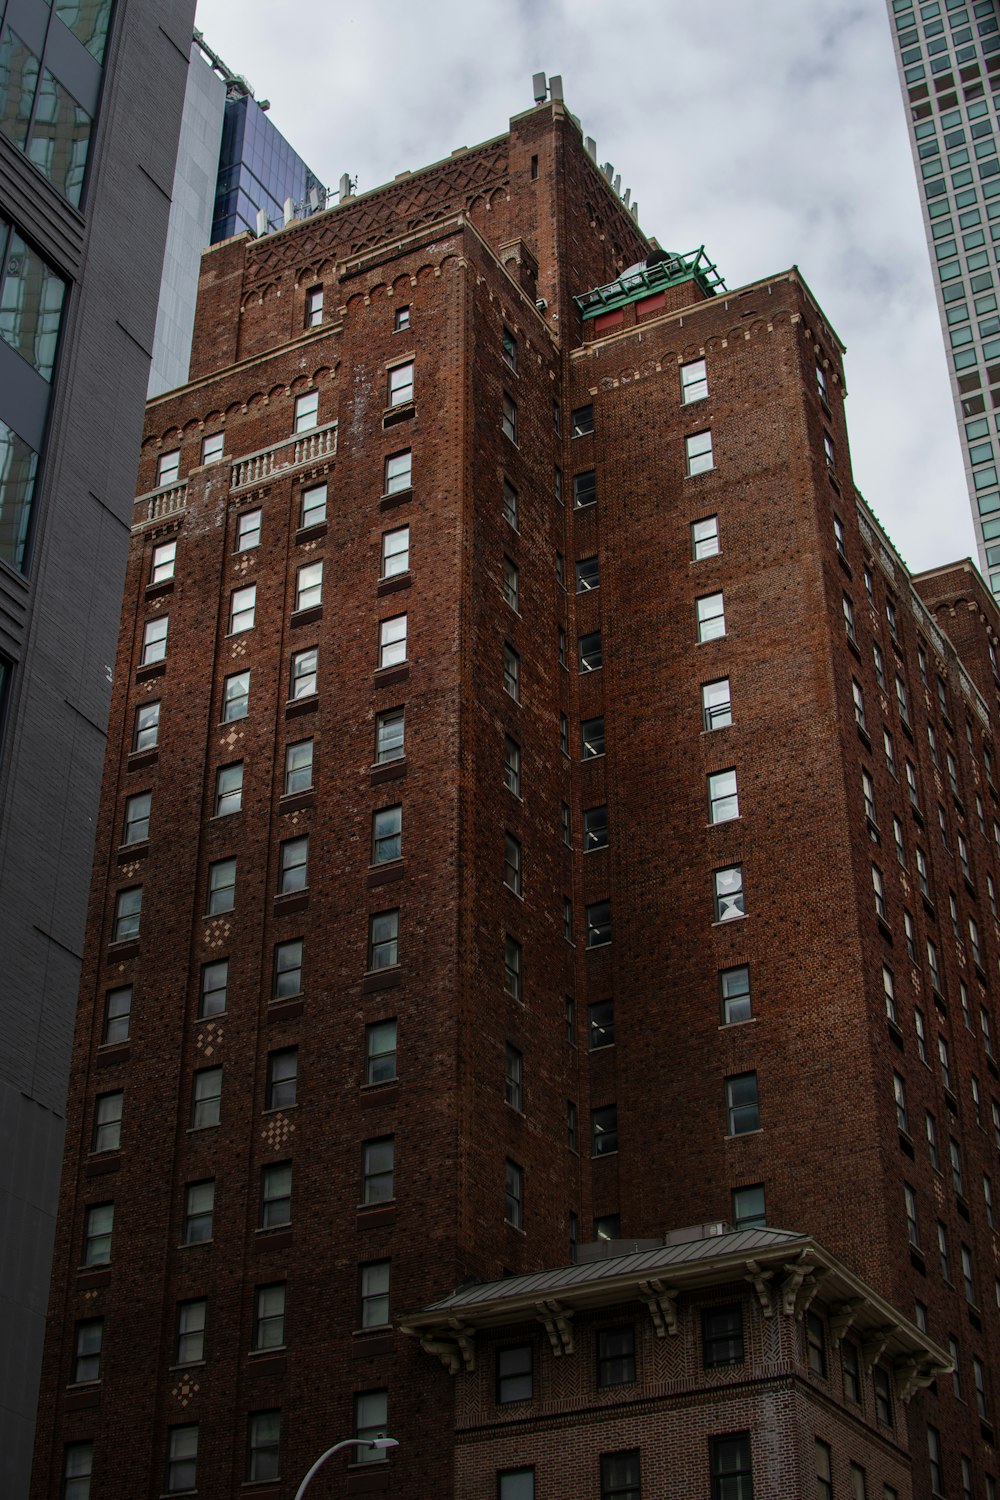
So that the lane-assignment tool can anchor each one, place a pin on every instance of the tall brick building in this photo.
(542, 814)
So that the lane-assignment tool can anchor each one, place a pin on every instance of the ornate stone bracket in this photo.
(760, 1280)
(873, 1346)
(798, 1271)
(912, 1375)
(557, 1322)
(841, 1319)
(808, 1290)
(662, 1304)
(453, 1344)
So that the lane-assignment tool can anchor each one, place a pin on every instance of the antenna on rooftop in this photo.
(590, 145)
(555, 86)
(345, 186)
(539, 87)
(261, 222)
(289, 209)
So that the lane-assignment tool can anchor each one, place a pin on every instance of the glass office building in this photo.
(948, 56)
(257, 170)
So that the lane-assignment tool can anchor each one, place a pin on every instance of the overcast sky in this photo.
(771, 131)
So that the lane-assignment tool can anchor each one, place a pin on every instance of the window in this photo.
(912, 1219)
(878, 886)
(728, 893)
(584, 490)
(378, 1163)
(591, 738)
(387, 834)
(705, 538)
(221, 886)
(398, 472)
(816, 1344)
(598, 923)
(890, 754)
(214, 988)
(711, 617)
(128, 910)
(723, 798)
(402, 319)
(164, 557)
(229, 789)
(932, 742)
(595, 829)
(313, 506)
(732, 1474)
(968, 1285)
(287, 969)
(389, 743)
(198, 1210)
(868, 794)
(590, 654)
(742, 1107)
(146, 733)
(698, 453)
(276, 1195)
(306, 411)
(235, 697)
(154, 640)
(571, 1127)
(859, 705)
(722, 1335)
(77, 1472)
(380, 1052)
(620, 1476)
(979, 1379)
(509, 348)
(314, 306)
(568, 919)
(108, 1122)
(182, 1459)
(828, 452)
(588, 574)
(601, 1017)
(383, 940)
(213, 447)
(392, 642)
(98, 1223)
(616, 1356)
(849, 625)
(608, 1227)
(513, 1083)
(952, 767)
(247, 531)
(514, 1195)
(511, 593)
(851, 1364)
(512, 765)
(514, 1374)
(269, 1317)
(282, 1078)
(512, 863)
(293, 865)
(242, 609)
(206, 1098)
(604, 1130)
(298, 767)
(191, 1332)
(934, 1460)
(168, 467)
(899, 1095)
(839, 538)
(902, 701)
(87, 1351)
(563, 732)
(879, 661)
(716, 704)
(371, 1420)
(375, 1294)
(824, 1470)
(396, 552)
(303, 674)
(508, 421)
(944, 1257)
(911, 785)
(309, 586)
(930, 1126)
(694, 382)
(511, 672)
(264, 1445)
(734, 992)
(748, 1207)
(137, 818)
(517, 1484)
(512, 976)
(582, 421)
(911, 935)
(510, 504)
(890, 615)
(920, 860)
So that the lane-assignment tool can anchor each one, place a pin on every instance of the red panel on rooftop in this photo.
(609, 320)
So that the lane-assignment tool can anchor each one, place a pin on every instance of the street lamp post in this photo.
(378, 1443)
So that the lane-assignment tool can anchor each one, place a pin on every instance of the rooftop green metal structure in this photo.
(643, 282)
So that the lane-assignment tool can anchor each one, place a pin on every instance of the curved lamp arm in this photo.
(384, 1442)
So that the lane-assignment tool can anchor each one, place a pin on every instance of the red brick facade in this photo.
(468, 272)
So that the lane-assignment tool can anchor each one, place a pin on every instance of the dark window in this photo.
(591, 738)
(517, 1484)
(380, 1052)
(514, 1374)
(749, 1210)
(620, 1476)
(598, 924)
(722, 1335)
(883, 1395)
(816, 1344)
(583, 421)
(588, 575)
(595, 829)
(602, 1023)
(282, 1078)
(276, 1194)
(852, 1372)
(263, 1445)
(591, 656)
(729, 1460)
(584, 489)
(616, 1355)
(604, 1130)
(287, 969)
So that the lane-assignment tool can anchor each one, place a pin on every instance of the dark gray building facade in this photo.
(91, 94)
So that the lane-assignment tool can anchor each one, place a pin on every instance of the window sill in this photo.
(138, 850)
(125, 948)
(190, 1364)
(141, 758)
(395, 497)
(743, 1134)
(307, 616)
(257, 1354)
(394, 584)
(389, 676)
(404, 412)
(311, 533)
(157, 590)
(731, 1025)
(148, 669)
(304, 705)
(193, 1244)
(200, 1129)
(296, 801)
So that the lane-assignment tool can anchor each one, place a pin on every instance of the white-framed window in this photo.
(710, 610)
(306, 411)
(383, 940)
(509, 417)
(213, 447)
(314, 306)
(392, 641)
(164, 559)
(716, 704)
(235, 697)
(128, 910)
(821, 383)
(389, 736)
(137, 809)
(728, 893)
(723, 797)
(221, 886)
(582, 421)
(168, 467)
(387, 834)
(694, 382)
(146, 730)
(402, 319)
(309, 586)
(698, 453)
(298, 767)
(395, 552)
(229, 789)
(303, 674)
(293, 865)
(247, 530)
(242, 609)
(313, 510)
(705, 538)
(399, 472)
(400, 379)
(734, 995)
(154, 640)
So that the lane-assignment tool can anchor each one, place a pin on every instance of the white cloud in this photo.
(773, 133)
